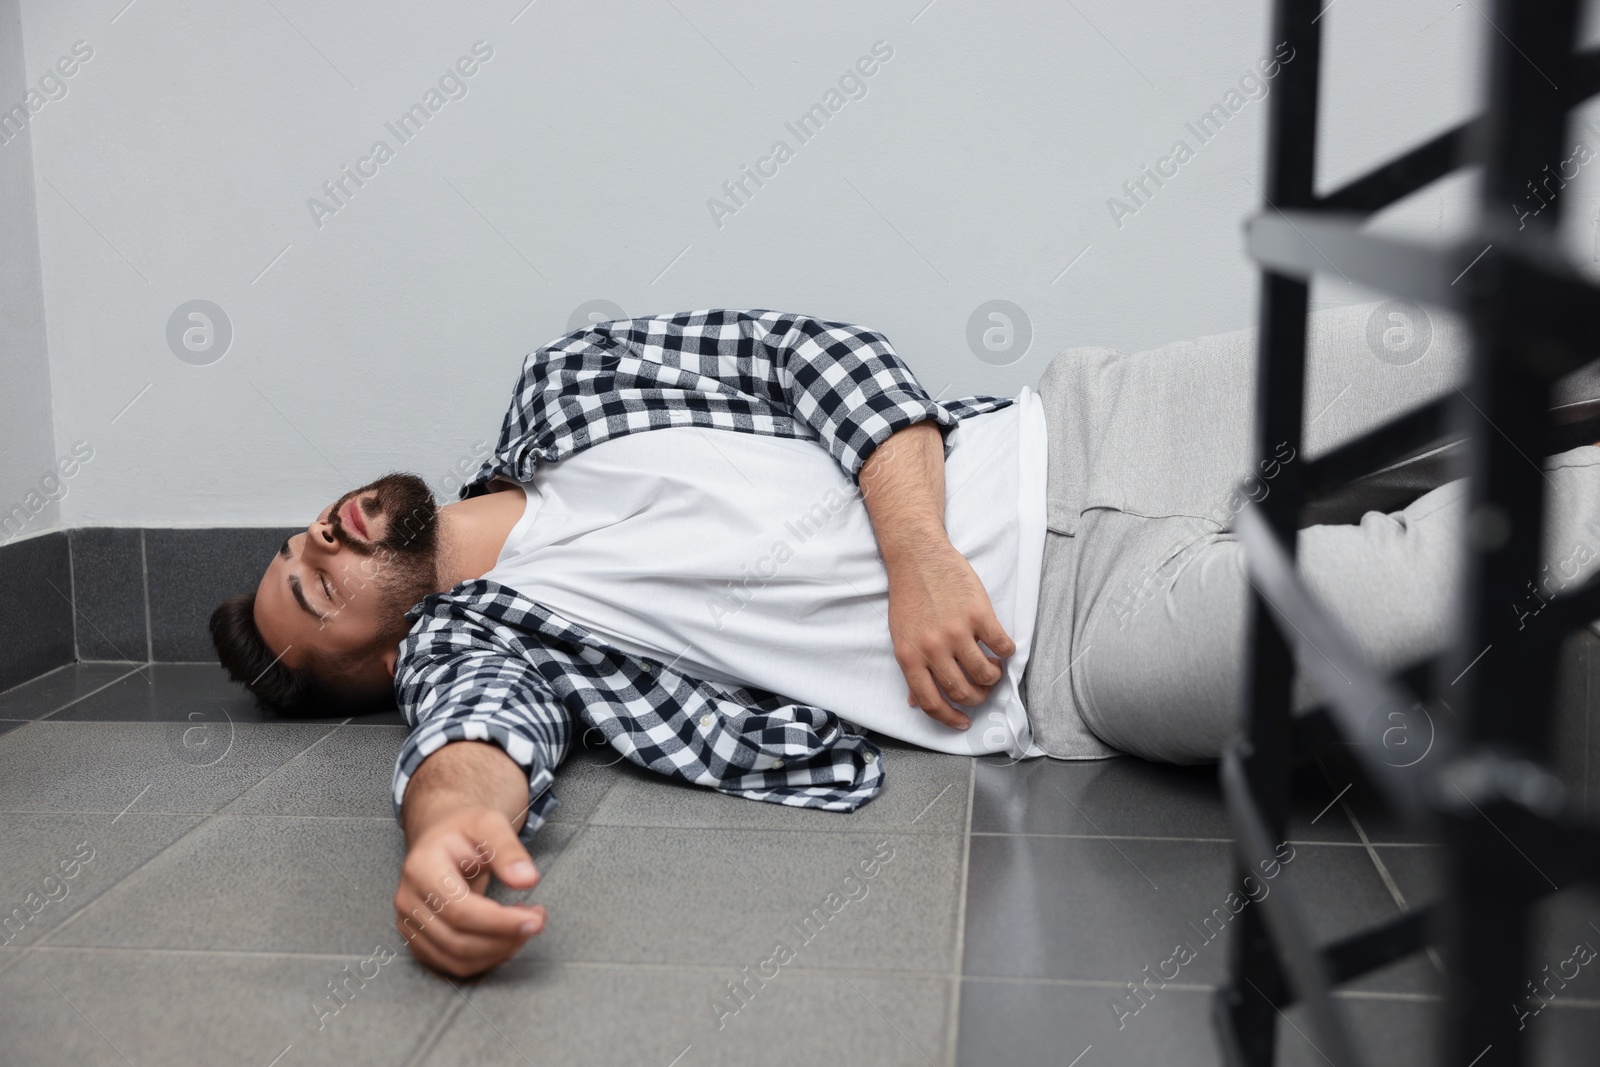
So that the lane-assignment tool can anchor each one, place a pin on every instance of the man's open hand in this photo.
(440, 907)
(938, 614)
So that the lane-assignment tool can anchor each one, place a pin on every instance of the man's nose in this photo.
(320, 536)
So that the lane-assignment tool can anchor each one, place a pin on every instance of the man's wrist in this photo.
(912, 545)
(463, 776)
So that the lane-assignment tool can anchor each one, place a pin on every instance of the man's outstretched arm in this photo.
(463, 808)
(938, 608)
(471, 786)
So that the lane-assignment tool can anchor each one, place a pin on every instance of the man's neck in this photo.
(472, 532)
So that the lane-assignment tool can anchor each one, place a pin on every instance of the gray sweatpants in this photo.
(1139, 642)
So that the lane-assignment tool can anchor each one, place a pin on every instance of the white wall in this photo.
(578, 167)
(30, 486)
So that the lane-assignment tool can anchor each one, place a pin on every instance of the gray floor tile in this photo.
(120, 1008)
(76, 766)
(350, 772)
(1042, 1024)
(11, 724)
(172, 692)
(1035, 1024)
(1382, 827)
(923, 792)
(50, 692)
(624, 894)
(1561, 921)
(1564, 1035)
(586, 778)
(1102, 910)
(1408, 1032)
(1128, 796)
(262, 884)
(1385, 1031)
(544, 1013)
(56, 864)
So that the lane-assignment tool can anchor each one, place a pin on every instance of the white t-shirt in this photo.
(751, 560)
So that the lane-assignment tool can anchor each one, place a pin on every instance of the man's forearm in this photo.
(902, 485)
(939, 611)
(464, 774)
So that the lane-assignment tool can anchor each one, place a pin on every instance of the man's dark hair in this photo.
(247, 659)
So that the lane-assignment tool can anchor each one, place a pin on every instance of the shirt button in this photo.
(706, 721)
(777, 764)
(871, 757)
(645, 667)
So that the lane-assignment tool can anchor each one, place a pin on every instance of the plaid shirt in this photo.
(482, 662)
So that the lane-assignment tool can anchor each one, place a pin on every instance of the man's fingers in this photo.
(480, 915)
(501, 851)
(980, 668)
(436, 949)
(991, 633)
(926, 695)
(953, 683)
(468, 935)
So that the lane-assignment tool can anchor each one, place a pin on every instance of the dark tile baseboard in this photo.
(190, 572)
(36, 616)
(121, 594)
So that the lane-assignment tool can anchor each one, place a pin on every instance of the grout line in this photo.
(201, 824)
(72, 596)
(426, 1044)
(1085, 983)
(1388, 881)
(225, 809)
(1372, 853)
(237, 815)
(1583, 1004)
(265, 953)
(528, 962)
(79, 699)
(1192, 840)
(953, 1023)
(29, 681)
(149, 631)
(88, 905)
(188, 663)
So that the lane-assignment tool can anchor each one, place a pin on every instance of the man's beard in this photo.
(403, 565)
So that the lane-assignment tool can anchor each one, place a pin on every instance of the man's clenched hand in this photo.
(938, 614)
(461, 812)
(938, 608)
(440, 907)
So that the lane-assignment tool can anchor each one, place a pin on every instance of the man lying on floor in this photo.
(805, 544)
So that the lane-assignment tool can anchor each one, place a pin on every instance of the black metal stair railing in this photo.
(1532, 319)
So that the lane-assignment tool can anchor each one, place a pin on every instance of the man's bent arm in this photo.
(938, 608)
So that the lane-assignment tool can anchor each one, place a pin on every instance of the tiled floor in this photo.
(203, 874)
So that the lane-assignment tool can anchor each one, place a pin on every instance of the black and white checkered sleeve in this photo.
(762, 372)
(458, 679)
(846, 382)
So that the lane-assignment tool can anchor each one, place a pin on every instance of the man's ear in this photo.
(390, 658)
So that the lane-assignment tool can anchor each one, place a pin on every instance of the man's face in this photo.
(339, 591)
